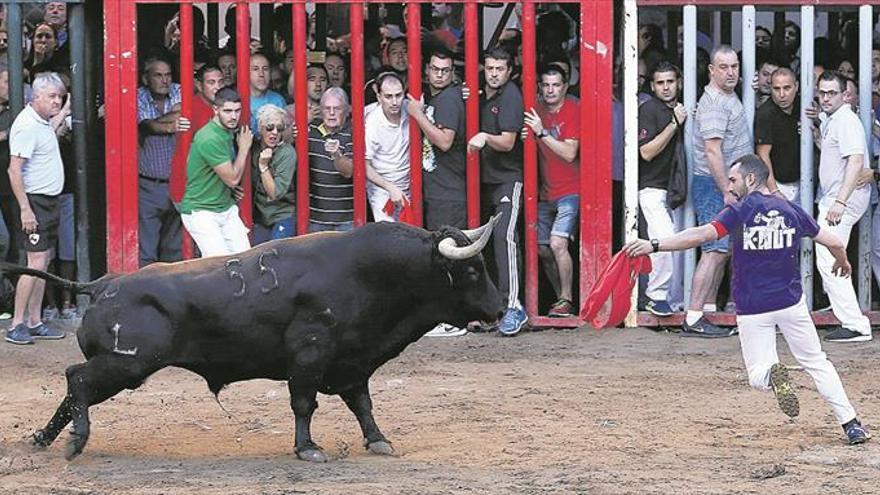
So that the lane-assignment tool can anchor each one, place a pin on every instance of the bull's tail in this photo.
(87, 287)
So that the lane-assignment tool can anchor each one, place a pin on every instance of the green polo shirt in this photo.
(205, 191)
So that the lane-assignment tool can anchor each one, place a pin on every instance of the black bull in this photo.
(321, 312)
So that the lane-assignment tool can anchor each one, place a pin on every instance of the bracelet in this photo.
(841, 202)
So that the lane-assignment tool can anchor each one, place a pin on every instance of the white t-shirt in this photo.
(387, 146)
(842, 136)
(32, 138)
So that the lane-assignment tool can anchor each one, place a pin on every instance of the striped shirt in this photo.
(157, 150)
(720, 115)
(331, 196)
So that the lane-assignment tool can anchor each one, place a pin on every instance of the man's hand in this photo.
(465, 92)
(415, 105)
(28, 221)
(729, 198)
(266, 157)
(533, 121)
(866, 176)
(237, 193)
(245, 138)
(331, 146)
(841, 267)
(183, 124)
(477, 142)
(680, 113)
(638, 247)
(812, 111)
(397, 196)
(835, 213)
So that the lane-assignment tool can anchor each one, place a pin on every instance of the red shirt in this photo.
(202, 113)
(559, 177)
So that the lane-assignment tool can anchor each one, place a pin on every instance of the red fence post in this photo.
(587, 151)
(187, 93)
(414, 76)
(301, 98)
(359, 175)
(472, 108)
(113, 137)
(603, 111)
(243, 55)
(530, 160)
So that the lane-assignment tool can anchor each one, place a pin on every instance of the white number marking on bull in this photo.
(266, 268)
(125, 352)
(235, 274)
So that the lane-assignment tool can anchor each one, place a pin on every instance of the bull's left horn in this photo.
(451, 250)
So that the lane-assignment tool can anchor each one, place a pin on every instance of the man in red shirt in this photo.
(556, 124)
(209, 79)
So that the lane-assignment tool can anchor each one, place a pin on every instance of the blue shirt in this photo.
(157, 150)
(765, 232)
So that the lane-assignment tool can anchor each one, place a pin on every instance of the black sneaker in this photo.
(785, 396)
(843, 334)
(855, 432)
(702, 328)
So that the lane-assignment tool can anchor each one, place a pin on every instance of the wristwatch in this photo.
(655, 245)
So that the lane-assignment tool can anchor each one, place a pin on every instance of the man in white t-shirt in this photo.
(386, 132)
(842, 203)
(36, 174)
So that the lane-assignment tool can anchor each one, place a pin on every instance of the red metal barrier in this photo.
(596, 20)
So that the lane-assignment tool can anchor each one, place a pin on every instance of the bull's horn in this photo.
(451, 250)
(474, 234)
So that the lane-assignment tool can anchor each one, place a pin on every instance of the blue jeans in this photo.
(558, 218)
(320, 227)
(708, 202)
(281, 229)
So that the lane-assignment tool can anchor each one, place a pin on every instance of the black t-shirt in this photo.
(654, 116)
(782, 131)
(502, 113)
(5, 124)
(446, 179)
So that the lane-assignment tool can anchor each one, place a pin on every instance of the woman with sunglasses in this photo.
(274, 162)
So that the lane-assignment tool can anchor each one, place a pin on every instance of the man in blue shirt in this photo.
(765, 230)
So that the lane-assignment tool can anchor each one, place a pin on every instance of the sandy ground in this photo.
(560, 411)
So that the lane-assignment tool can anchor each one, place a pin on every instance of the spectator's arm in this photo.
(166, 124)
(654, 147)
(441, 138)
(566, 149)
(503, 142)
(715, 157)
(763, 151)
(28, 220)
(854, 164)
(344, 165)
(230, 172)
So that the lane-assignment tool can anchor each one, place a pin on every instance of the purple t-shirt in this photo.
(765, 232)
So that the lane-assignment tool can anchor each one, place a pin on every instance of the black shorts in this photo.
(48, 213)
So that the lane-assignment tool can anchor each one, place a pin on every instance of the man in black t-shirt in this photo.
(777, 135)
(501, 174)
(660, 122)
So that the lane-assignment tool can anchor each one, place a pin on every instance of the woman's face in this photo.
(44, 39)
(846, 68)
(271, 132)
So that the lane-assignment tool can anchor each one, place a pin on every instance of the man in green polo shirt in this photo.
(208, 208)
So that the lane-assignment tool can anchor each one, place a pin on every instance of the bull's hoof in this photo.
(74, 446)
(380, 447)
(311, 455)
(38, 439)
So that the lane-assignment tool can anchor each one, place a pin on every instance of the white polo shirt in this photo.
(32, 138)
(387, 145)
(842, 137)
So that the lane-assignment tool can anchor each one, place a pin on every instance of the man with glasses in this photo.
(331, 193)
(440, 114)
(843, 202)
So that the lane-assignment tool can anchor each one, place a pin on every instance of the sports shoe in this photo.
(561, 309)
(659, 308)
(478, 326)
(843, 334)
(50, 313)
(45, 332)
(19, 335)
(855, 432)
(512, 322)
(702, 328)
(446, 330)
(785, 396)
(5, 316)
(68, 312)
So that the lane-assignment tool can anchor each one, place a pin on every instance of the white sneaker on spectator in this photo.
(446, 330)
(5, 316)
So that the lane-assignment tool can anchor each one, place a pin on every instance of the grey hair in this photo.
(46, 80)
(268, 111)
(726, 49)
(338, 93)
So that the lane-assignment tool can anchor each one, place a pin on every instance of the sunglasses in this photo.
(274, 127)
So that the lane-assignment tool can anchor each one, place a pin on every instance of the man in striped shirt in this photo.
(331, 194)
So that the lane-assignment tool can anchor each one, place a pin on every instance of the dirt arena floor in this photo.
(558, 411)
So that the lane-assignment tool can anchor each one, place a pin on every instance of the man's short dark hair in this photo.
(226, 95)
(752, 164)
(833, 75)
(665, 66)
(784, 71)
(210, 67)
(441, 52)
(319, 67)
(499, 53)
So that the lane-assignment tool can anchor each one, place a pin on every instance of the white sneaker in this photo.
(5, 316)
(446, 330)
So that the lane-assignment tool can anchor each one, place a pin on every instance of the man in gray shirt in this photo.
(720, 135)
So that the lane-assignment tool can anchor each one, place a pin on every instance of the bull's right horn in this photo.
(474, 234)
(451, 250)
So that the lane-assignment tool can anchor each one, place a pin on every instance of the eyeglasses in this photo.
(828, 94)
(440, 70)
(274, 127)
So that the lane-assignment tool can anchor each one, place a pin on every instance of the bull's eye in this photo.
(472, 274)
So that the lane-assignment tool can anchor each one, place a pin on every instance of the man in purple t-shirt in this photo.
(765, 230)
